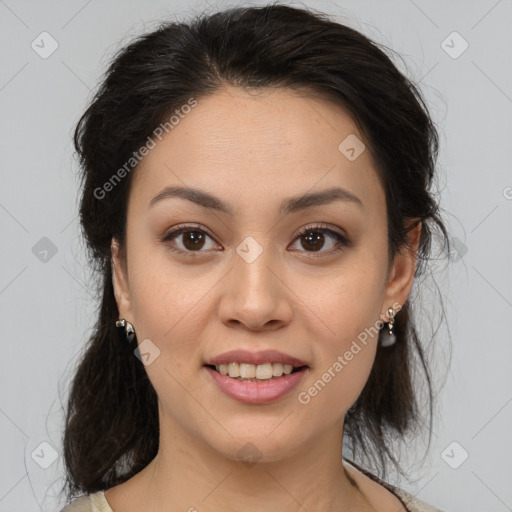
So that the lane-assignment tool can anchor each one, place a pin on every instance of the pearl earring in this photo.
(388, 338)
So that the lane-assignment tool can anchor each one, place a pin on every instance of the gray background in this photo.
(46, 299)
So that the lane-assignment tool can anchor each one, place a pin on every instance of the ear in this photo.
(120, 281)
(401, 276)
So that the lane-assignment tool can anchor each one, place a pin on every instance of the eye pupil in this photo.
(313, 240)
(193, 237)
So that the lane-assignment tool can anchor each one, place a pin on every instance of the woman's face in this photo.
(242, 277)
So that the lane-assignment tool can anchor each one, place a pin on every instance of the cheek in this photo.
(343, 364)
(168, 308)
(345, 326)
(164, 295)
(347, 300)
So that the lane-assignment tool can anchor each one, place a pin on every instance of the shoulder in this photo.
(412, 504)
(404, 499)
(89, 503)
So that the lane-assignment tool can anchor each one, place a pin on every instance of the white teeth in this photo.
(277, 369)
(264, 371)
(233, 370)
(247, 371)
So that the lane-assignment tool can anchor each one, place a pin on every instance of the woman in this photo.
(256, 197)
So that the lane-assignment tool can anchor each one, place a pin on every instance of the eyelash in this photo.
(342, 241)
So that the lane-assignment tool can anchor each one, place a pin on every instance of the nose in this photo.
(256, 295)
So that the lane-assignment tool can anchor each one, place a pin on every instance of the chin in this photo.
(267, 444)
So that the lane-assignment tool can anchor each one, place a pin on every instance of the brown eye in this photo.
(193, 240)
(314, 238)
(187, 240)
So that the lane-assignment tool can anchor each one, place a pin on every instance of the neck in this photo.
(188, 474)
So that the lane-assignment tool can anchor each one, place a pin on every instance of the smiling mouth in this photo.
(266, 372)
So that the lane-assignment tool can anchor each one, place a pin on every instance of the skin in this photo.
(253, 149)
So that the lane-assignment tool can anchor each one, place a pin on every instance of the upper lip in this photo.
(261, 357)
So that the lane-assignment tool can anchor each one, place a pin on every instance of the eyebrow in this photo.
(290, 205)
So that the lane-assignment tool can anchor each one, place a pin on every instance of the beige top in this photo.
(98, 503)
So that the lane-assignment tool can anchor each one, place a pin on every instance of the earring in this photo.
(129, 331)
(388, 338)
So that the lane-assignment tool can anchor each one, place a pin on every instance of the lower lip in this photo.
(257, 392)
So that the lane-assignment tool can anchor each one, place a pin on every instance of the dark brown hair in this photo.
(112, 427)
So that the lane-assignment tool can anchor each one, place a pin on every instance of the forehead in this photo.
(260, 144)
